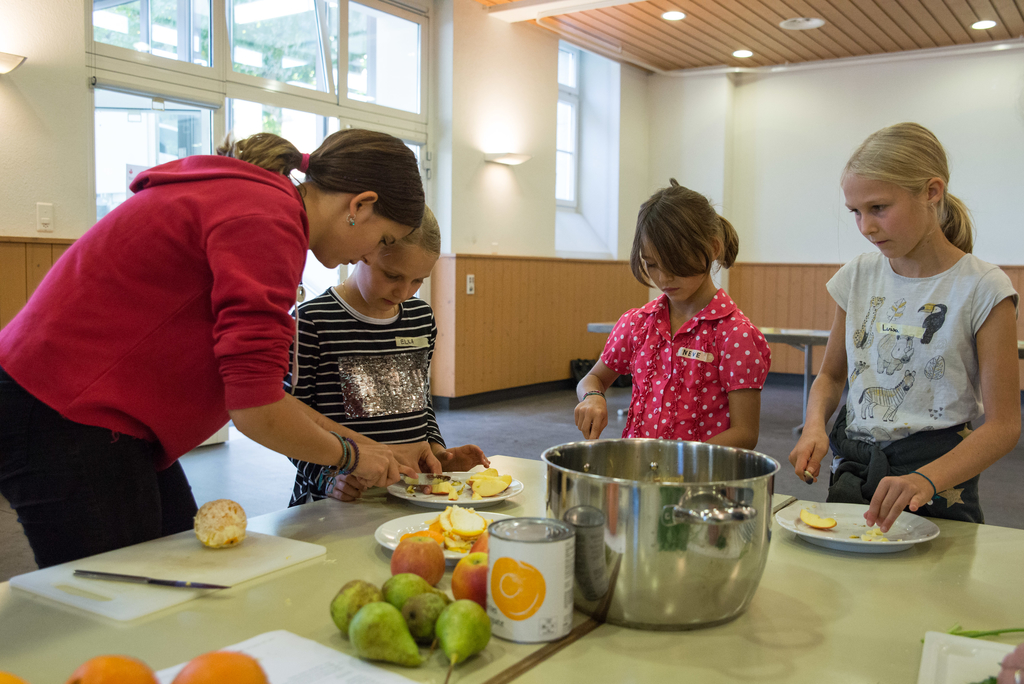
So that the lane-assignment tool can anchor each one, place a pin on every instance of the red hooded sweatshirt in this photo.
(173, 309)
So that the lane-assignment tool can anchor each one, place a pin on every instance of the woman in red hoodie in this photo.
(170, 316)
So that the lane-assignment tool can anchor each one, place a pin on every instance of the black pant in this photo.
(80, 490)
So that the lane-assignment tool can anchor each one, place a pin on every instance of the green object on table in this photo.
(956, 630)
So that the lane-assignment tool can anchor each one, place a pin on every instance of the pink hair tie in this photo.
(304, 164)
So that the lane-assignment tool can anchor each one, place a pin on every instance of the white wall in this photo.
(634, 153)
(795, 129)
(498, 93)
(46, 123)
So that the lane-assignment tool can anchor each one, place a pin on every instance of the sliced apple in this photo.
(467, 523)
(816, 521)
(490, 472)
(490, 486)
(441, 488)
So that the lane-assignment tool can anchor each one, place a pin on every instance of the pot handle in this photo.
(707, 509)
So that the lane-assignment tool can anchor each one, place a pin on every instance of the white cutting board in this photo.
(177, 557)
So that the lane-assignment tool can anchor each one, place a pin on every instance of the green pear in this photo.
(403, 586)
(463, 629)
(350, 599)
(420, 613)
(378, 632)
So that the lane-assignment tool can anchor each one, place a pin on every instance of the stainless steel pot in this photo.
(669, 535)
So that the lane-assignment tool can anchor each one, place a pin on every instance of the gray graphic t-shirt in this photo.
(910, 344)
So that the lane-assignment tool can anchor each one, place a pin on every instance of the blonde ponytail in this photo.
(265, 150)
(909, 155)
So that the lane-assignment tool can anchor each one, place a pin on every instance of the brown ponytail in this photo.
(681, 228)
(909, 155)
(349, 161)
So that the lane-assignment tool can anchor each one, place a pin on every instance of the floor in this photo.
(261, 480)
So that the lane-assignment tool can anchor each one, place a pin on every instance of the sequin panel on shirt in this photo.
(384, 384)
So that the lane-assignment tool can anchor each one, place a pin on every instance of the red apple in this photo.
(469, 579)
(422, 556)
(480, 544)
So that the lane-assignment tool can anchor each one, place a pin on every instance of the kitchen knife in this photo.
(137, 579)
(425, 478)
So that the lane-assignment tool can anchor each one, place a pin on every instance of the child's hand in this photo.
(461, 458)
(347, 488)
(591, 416)
(893, 495)
(379, 467)
(1012, 667)
(809, 451)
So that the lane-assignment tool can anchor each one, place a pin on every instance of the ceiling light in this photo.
(743, 53)
(9, 62)
(507, 158)
(983, 24)
(802, 23)
(673, 15)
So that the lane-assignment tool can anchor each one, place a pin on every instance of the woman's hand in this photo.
(418, 457)
(378, 466)
(1012, 667)
(893, 495)
(347, 488)
(810, 450)
(460, 458)
(591, 416)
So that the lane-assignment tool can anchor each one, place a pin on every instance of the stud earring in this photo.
(351, 220)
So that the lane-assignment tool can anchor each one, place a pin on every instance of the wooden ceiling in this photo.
(635, 33)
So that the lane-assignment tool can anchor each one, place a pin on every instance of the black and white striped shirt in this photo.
(371, 375)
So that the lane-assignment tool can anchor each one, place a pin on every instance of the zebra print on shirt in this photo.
(330, 333)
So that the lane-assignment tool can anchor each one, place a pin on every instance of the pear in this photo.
(420, 613)
(350, 599)
(403, 586)
(378, 632)
(463, 629)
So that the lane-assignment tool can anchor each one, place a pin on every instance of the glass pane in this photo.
(383, 59)
(132, 136)
(175, 29)
(565, 180)
(280, 40)
(567, 68)
(565, 135)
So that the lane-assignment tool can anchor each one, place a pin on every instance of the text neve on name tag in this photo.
(697, 354)
(411, 341)
(895, 329)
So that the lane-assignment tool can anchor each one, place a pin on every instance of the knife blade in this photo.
(425, 478)
(138, 579)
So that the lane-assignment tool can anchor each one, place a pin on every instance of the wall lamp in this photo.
(9, 62)
(507, 158)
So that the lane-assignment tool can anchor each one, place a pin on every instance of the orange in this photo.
(517, 588)
(222, 667)
(113, 669)
(436, 536)
(8, 678)
(436, 527)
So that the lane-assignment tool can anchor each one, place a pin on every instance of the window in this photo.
(175, 29)
(134, 133)
(383, 58)
(284, 40)
(567, 126)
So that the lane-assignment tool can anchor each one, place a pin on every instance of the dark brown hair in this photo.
(350, 161)
(909, 155)
(681, 229)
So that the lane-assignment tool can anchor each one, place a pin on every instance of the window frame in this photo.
(571, 95)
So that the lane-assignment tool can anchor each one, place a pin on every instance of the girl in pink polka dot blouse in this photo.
(698, 364)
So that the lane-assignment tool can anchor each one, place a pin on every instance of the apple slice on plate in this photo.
(816, 521)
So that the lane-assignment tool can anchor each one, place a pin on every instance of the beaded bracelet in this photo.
(600, 394)
(354, 451)
(934, 491)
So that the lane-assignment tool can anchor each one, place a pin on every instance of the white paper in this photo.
(287, 658)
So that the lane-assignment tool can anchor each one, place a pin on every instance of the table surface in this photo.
(818, 615)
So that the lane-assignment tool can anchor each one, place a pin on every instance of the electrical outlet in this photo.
(470, 284)
(44, 217)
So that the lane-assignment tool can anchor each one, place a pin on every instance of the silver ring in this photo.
(1017, 677)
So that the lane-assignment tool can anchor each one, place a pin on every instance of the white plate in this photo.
(908, 529)
(465, 498)
(948, 659)
(390, 533)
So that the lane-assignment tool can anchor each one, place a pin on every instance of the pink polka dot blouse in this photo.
(680, 381)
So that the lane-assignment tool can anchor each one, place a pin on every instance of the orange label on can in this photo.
(517, 588)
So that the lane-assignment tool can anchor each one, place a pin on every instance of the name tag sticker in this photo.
(696, 354)
(904, 330)
(414, 342)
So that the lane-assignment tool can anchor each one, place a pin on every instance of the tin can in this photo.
(530, 579)
(591, 567)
